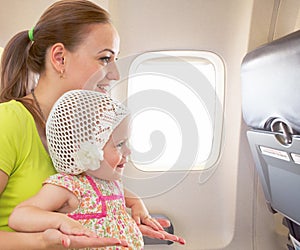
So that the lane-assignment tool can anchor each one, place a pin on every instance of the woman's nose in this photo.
(113, 72)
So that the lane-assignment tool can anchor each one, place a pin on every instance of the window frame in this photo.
(219, 67)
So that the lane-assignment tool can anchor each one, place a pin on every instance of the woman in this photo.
(73, 40)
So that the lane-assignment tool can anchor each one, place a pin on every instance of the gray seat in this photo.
(270, 78)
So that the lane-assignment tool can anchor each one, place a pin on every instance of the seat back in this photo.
(270, 78)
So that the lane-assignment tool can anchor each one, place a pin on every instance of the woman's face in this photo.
(92, 66)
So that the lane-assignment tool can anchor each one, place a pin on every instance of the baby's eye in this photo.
(120, 145)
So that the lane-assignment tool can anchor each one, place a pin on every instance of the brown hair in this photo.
(65, 21)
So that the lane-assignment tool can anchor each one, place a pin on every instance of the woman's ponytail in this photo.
(14, 68)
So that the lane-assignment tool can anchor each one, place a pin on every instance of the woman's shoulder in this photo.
(13, 110)
(15, 119)
(12, 104)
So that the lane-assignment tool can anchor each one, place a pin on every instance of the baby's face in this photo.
(116, 152)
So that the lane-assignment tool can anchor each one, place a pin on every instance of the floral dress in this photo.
(101, 209)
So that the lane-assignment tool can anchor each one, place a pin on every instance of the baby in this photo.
(87, 135)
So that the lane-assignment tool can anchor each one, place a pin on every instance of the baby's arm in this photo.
(139, 212)
(151, 227)
(41, 212)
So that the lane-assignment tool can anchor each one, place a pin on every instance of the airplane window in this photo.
(176, 101)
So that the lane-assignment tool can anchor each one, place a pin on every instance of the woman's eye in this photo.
(105, 60)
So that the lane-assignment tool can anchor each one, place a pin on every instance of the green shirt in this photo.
(22, 157)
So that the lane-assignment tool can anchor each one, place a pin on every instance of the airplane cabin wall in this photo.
(216, 214)
(230, 29)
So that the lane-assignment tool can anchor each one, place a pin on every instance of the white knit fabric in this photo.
(79, 125)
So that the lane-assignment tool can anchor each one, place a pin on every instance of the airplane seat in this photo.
(270, 77)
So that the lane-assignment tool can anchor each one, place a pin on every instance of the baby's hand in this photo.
(153, 228)
(141, 215)
(152, 222)
(73, 227)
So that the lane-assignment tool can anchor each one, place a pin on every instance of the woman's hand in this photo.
(54, 239)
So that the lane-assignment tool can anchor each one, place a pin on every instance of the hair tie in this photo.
(30, 34)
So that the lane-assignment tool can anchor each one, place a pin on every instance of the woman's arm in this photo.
(33, 241)
(53, 239)
(3, 180)
(50, 239)
(54, 230)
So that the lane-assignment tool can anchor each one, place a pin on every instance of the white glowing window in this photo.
(176, 100)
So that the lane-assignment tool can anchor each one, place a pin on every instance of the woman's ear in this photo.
(57, 56)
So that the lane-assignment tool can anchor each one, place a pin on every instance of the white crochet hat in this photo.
(79, 125)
